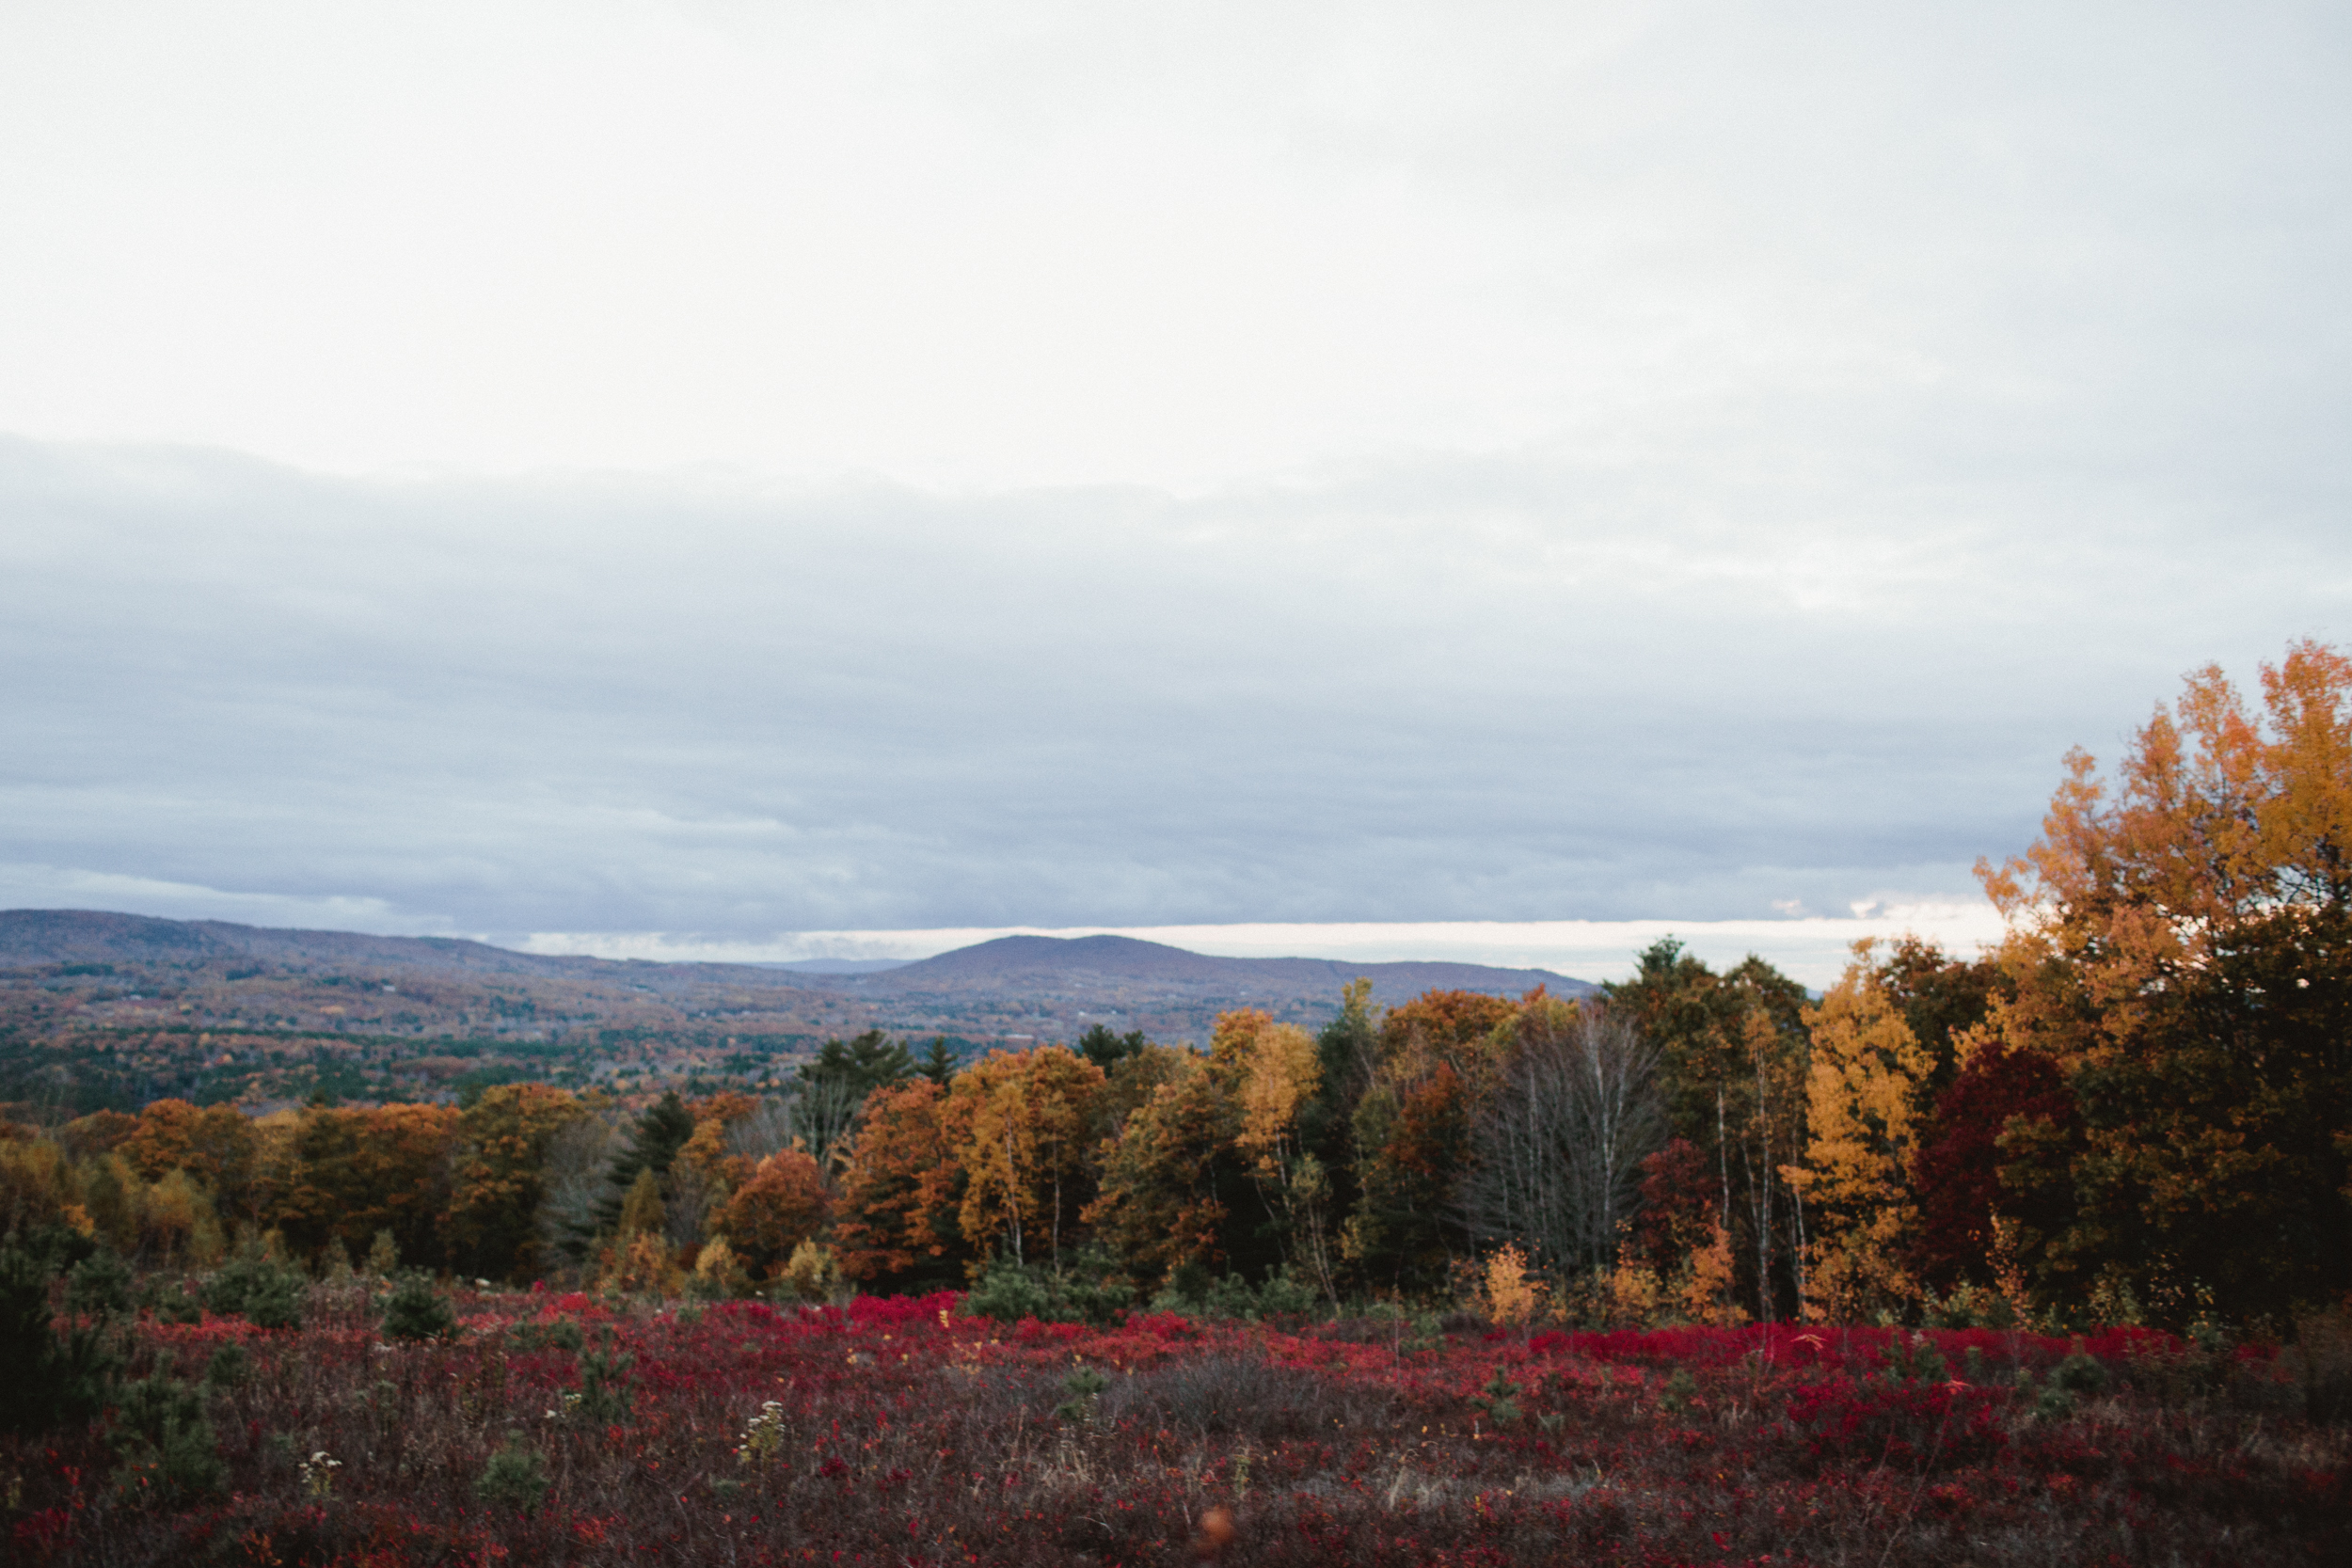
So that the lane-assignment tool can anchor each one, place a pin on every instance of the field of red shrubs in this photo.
(557, 1430)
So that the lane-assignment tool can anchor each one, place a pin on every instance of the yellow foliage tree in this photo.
(1862, 1101)
(641, 1266)
(1513, 1298)
(1274, 1069)
(719, 1269)
(706, 1154)
(110, 1192)
(178, 1224)
(36, 1186)
(1018, 1124)
(641, 1209)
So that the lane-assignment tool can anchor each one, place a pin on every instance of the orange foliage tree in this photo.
(901, 1192)
(1170, 1175)
(216, 1145)
(355, 1172)
(782, 1204)
(2181, 948)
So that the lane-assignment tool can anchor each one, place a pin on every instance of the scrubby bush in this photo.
(1193, 1291)
(170, 1300)
(1010, 1291)
(228, 1367)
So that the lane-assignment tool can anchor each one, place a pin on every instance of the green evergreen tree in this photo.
(168, 1448)
(859, 1067)
(939, 1063)
(417, 1311)
(661, 1132)
(1105, 1050)
(45, 1382)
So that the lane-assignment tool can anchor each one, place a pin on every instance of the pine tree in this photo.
(660, 1134)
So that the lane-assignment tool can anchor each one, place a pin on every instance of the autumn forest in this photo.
(2133, 1115)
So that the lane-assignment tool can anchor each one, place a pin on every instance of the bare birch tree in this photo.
(1558, 1151)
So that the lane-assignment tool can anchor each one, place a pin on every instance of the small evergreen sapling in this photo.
(1498, 1399)
(268, 1294)
(417, 1311)
(604, 1392)
(99, 1286)
(168, 1448)
(515, 1476)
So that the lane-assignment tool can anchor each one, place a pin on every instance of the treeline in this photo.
(2138, 1108)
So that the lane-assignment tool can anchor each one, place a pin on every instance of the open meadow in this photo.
(547, 1428)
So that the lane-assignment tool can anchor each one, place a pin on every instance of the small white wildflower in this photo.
(765, 1435)
(318, 1473)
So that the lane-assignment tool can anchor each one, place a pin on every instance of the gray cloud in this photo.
(1510, 688)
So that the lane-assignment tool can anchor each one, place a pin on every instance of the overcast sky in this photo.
(721, 470)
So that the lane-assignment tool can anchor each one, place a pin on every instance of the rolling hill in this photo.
(99, 1007)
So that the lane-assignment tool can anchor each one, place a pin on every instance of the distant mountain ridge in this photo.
(1014, 989)
(1034, 963)
(99, 936)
